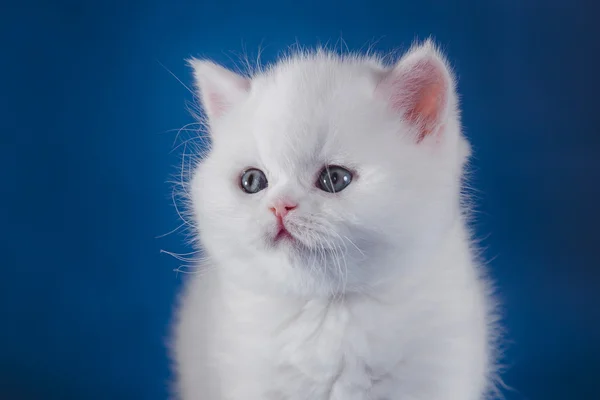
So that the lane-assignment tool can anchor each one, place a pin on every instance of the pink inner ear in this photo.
(420, 94)
(215, 105)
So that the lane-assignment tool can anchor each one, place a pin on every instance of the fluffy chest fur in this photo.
(420, 336)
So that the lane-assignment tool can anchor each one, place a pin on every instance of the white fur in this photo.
(384, 300)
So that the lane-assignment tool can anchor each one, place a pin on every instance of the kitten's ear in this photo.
(218, 87)
(421, 88)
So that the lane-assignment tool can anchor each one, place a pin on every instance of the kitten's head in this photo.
(326, 172)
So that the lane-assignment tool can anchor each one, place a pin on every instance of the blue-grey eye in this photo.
(253, 181)
(334, 179)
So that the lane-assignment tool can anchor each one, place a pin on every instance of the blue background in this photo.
(86, 115)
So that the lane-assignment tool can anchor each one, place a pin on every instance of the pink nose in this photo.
(281, 207)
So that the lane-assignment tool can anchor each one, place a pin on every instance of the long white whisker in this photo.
(184, 128)
(335, 258)
(195, 269)
(177, 210)
(178, 80)
(170, 232)
(180, 257)
(355, 246)
(192, 139)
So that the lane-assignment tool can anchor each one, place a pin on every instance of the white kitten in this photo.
(340, 265)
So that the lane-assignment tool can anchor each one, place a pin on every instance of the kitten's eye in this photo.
(334, 179)
(253, 181)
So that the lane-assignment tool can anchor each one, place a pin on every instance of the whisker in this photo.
(178, 80)
(355, 246)
(180, 257)
(195, 269)
(184, 128)
(177, 210)
(192, 139)
(170, 232)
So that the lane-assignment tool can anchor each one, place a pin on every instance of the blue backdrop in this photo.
(86, 115)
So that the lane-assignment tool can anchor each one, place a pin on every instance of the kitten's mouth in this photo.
(283, 234)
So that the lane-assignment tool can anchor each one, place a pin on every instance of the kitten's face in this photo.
(392, 198)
